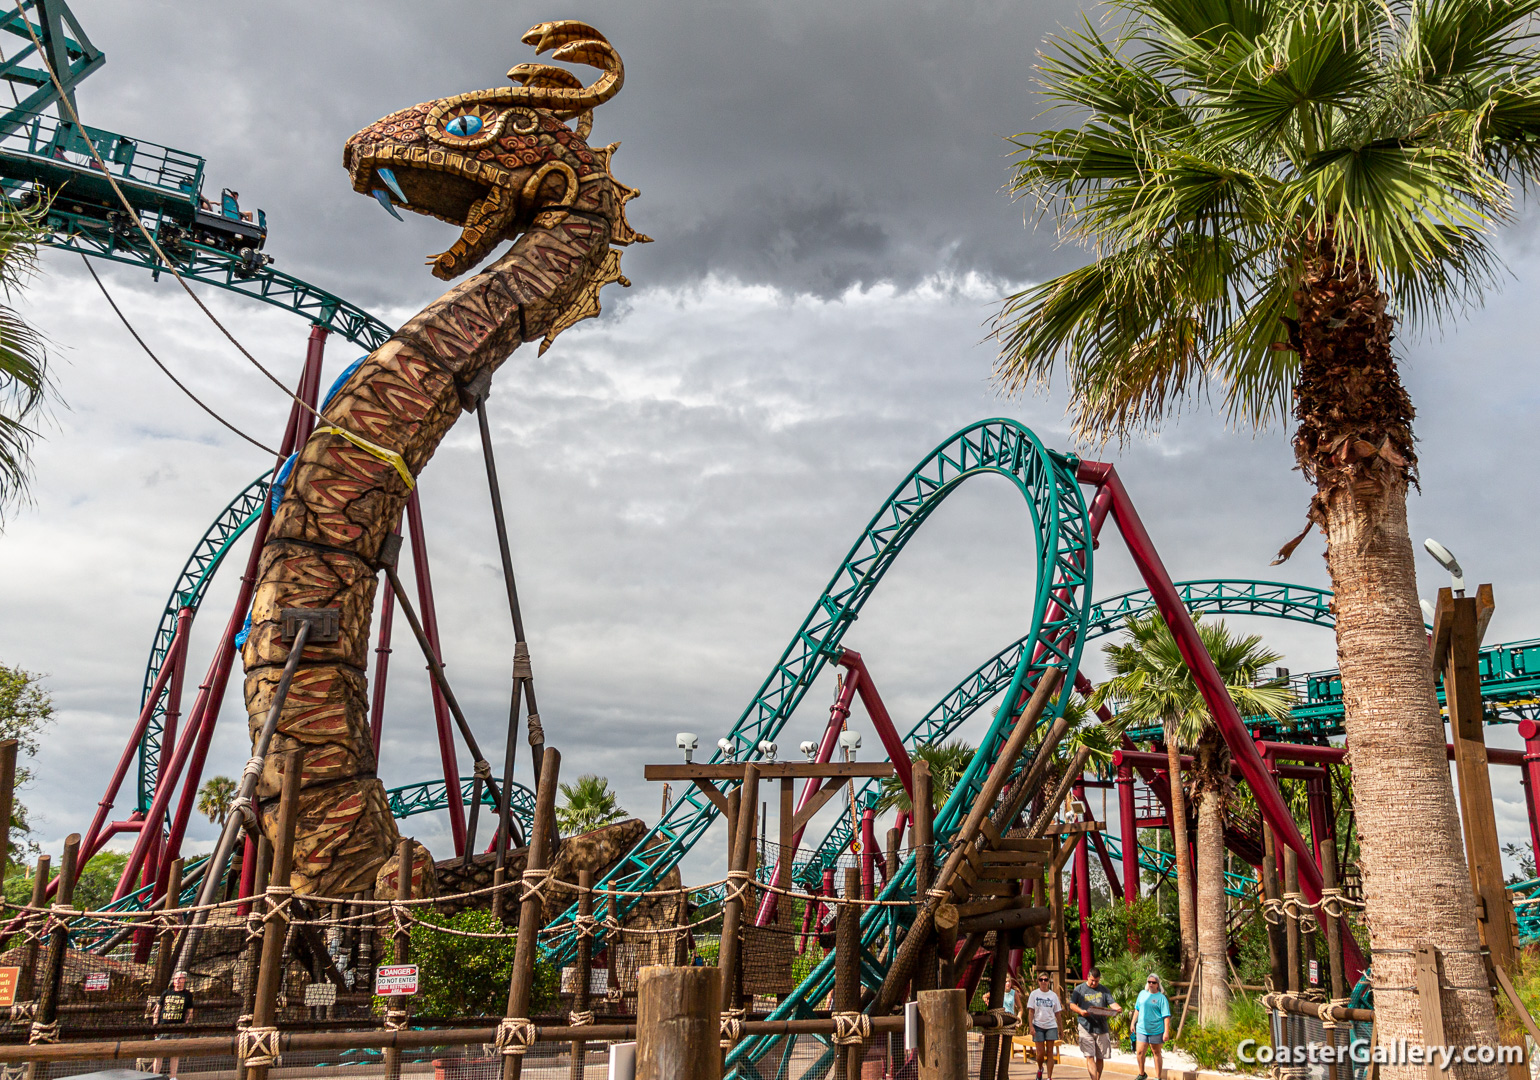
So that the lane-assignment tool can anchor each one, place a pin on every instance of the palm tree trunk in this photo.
(1186, 917)
(1214, 1003)
(1355, 442)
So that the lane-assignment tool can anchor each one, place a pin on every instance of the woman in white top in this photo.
(1044, 1007)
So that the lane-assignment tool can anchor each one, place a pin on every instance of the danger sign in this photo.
(97, 980)
(395, 980)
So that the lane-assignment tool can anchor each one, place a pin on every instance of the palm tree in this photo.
(1266, 187)
(215, 798)
(23, 358)
(947, 761)
(1151, 683)
(588, 804)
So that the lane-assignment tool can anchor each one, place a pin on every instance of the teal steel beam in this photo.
(69, 51)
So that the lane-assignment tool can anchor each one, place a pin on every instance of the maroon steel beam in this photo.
(175, 656)
(1530, 731)
(446, 738)
(1336, 755)
(1135, 758)
(839, 712)
(1128, 826)
(1242, 749)
(382, 670)
(892, 741)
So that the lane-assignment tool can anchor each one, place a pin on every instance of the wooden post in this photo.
(890, 857)
(253, 958)
(1331, 925)
(26, 986)
(678, 1023)
(943, 1035)
(583, 966)
(924, 868)
(167, 951)
(847, 973)
(785, 841)
(1060, 949)
(397, 1008)
(1291, 925)
(45, 1028)
(1429, 990)
(270, 975)
(728, 958)
(7, 802)
(530, 909)
(1276, 949)
(996, 1041)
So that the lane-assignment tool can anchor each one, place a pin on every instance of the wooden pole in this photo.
(847, 973)
(167, 952)
(678, 1023)
(995, 1041)
(530, 909)
(785, 841)
(943, 1035)
(270, 974)
(1332, 925)
(1291, 926)
(728, 958)
(397, 1008)
(7, 802)
(26, 986)
(890, 856)
(924, 867)
(1060, 939)
(582, 966)
(1276, 954)
(45, 1027)
(264, 870)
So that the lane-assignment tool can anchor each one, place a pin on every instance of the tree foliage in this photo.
(588, 804)
(215, 798)
(1209, 144)
(25, 710)
(469, 976)
(24, 381)
(947, 761)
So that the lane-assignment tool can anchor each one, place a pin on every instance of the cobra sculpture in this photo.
(503, 164)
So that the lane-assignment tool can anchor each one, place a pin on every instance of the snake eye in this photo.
(463, 127)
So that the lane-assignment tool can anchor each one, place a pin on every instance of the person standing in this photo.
(1092, 1004)
(1152, 1023)
(1044, 1007)
(172, 1009)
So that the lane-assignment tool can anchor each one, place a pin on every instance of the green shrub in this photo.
(469, 976)
(1114, 923)
(1212, 1046)
(1124, 976)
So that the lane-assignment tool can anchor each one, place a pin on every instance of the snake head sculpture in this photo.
(498, 162)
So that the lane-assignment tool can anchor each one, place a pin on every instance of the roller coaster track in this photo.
(1061, 555)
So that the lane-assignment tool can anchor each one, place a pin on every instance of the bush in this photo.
(469, 976)
(1156, 934)
(1124, 975)
(1212, 1046)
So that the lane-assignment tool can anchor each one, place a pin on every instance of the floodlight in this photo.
(809, 748)
(768, 749)
(687, 741)
(1447, 560)
(727, 747)
(850, 742)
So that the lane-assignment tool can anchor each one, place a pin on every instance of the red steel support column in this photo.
(429, 616)
(381, 671)
(892, 741)
(1215, 696)
(1530, 731)
(1130, 835)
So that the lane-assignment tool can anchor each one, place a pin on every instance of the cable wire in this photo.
(151, 354)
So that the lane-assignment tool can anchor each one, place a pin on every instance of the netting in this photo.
(1312, 1048)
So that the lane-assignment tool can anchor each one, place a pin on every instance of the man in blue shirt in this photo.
(1152, 1023)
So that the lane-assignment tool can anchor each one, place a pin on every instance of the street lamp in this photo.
(1447, 560)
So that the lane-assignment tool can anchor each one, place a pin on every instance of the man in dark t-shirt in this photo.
(174, 1007)
(1092, 1004)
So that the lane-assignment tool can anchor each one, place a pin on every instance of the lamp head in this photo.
(1446, 559)
(768, 749)
(687, 741)
(850, 742)
(728, 748)
(809, 748)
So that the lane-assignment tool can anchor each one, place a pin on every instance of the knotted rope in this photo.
(1005, 1019)
(482, 770)
(257, 1046)
(739, 882)
(532, 885)
(395, 1019)
(515, 1035)
(536, 732)
(851, 1028)
(521, 665)
(580, 1019)
(1272, 911)
(731, 1028)
(585, 926)
(43, 1033)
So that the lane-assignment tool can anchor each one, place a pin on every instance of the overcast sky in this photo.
(824, 184)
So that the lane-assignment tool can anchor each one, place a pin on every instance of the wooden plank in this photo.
(726, 770)
(984, 907)
(717, 798)
(1011, 872)
(1002, 858)
(994, 888)
(816, 803)
(991, 833)
(1429, 1002)
(1034, 844)
(1072, 827)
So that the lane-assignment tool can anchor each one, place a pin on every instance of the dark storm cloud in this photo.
(806, 145)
